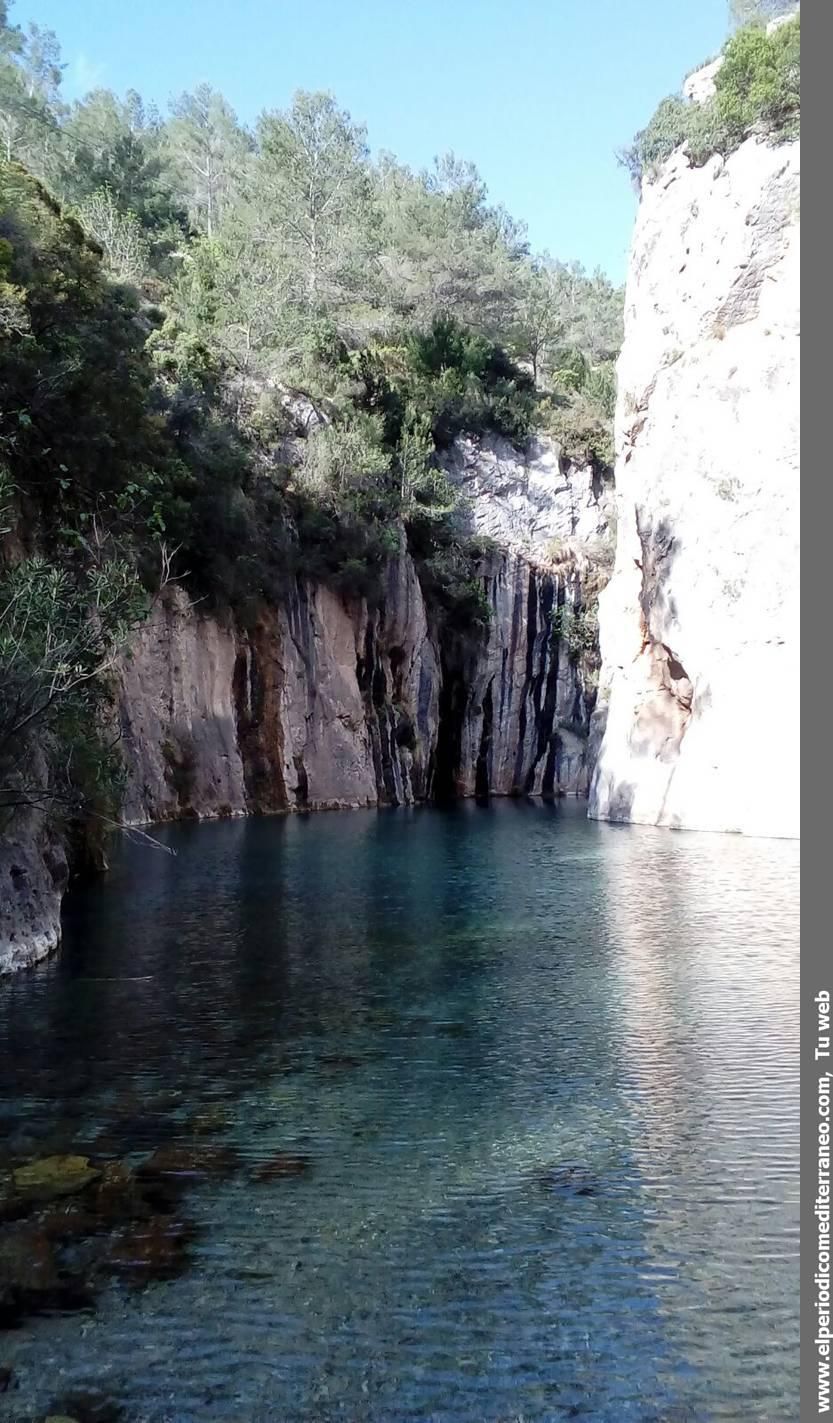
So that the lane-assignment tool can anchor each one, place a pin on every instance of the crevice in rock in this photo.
(482, 775)
(452, 709)
(257, 685)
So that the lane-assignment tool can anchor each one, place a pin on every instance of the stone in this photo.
(529, 500)
(188, 1163)
(54, 1176)
(33, 877)
(87, 1406)
(570, 1180)
(209, 1121)
(285, 1164)
(701, 616)
(154, 1250)
(116, 1196)
(699, 86)
(31, 1278)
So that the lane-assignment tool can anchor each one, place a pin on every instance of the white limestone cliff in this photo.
(699, 624)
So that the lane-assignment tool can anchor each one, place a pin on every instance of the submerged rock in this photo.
(570, 1180)
(31, 1278)
(208, 1121)
(54, 1176)
(117, 1195)
(72, 1221)
(85, 1406)
(279, 1167)
(155, 1250)
(172, 1170)
(340, 1062)
(189, 1163)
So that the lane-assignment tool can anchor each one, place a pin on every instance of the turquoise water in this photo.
(543, 1071)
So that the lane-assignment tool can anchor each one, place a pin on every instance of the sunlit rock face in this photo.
(699, 624)
(528, 501)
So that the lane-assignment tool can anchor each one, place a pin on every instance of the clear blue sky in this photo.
(539, 93)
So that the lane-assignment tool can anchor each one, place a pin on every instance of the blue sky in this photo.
(539, 93)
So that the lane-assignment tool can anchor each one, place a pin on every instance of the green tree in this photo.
(208, 149)
(311, 195)
(30, 76)
(118, 234)
(444, 250)
(117, 144)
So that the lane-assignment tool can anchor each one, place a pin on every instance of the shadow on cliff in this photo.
(660, 548)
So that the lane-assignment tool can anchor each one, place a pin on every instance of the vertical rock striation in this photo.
(320, 705)
(324, 703)
(526, 715)
(699, 624)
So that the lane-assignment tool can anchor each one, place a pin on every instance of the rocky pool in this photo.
(469, 1116)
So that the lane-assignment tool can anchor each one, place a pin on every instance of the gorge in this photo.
(325, 701)
(377, 596)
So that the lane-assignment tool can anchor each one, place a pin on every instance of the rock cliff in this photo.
(699, 624)
(326, 704)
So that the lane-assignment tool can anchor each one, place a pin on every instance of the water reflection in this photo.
(516, 1048)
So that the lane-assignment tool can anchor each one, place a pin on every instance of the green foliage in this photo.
(758, 83)
(454, 587)
(59, 632)
(757, 89)
(76, 391)
(465, 382)
(169, 314)
(579, 409)
(118, 233)
(577, 628)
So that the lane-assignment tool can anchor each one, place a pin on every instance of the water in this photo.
(442, 1011)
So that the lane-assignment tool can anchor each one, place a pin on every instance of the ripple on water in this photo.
(486, 1080)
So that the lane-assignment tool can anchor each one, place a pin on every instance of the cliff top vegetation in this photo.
(756, 91)
(232, 357)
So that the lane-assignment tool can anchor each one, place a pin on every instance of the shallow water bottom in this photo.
(510, 1108)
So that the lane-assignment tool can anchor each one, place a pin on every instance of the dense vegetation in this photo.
(231, 357)
(757, 90)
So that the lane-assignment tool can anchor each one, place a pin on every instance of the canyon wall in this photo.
(699, 624)
(326, 704)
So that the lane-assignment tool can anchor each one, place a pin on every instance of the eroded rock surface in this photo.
(699, 625)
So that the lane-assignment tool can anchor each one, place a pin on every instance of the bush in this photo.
(468, 384)
(758, 83)
(757, 88)
(579, 411)
(454, 590)
(577, 628)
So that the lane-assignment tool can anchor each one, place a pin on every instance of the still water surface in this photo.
(544, 1072)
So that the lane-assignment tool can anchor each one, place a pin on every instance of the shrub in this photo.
(758, 83)
(577, 628)
(757, 88)
(466, 383)
(579, 411)
(453, 587)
